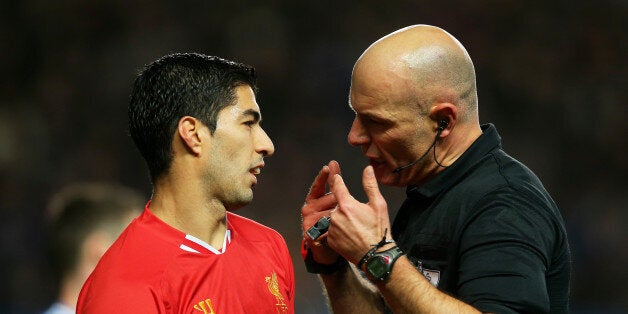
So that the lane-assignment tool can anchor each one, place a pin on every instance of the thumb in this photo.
(371, 188)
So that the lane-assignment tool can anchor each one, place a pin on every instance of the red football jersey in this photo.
(155, 268)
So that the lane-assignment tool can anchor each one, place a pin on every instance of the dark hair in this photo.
(77, 210)
(178, 85)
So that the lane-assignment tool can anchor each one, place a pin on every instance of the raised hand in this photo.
(318, 203)
(356, 226)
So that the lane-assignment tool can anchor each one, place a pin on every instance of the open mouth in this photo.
(376, 162)
(256, 170)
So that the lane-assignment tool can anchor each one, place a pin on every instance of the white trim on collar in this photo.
(204, 244)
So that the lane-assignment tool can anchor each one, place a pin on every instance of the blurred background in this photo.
(551, 76)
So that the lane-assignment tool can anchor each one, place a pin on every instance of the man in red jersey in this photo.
(195, 121)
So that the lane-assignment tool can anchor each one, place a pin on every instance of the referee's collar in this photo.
(488, 141)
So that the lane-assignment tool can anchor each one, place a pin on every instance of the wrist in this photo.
(379, 265)
(314, 267)
(389, 245)
(380, 246)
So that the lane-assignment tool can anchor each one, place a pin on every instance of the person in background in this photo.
(84, 220)
(196, 122)
(478, 232)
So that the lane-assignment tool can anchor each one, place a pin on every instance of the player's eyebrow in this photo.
(254, 113)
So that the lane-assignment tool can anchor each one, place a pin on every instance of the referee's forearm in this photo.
(347, 293)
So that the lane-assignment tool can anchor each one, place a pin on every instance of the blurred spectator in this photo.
(85, 219)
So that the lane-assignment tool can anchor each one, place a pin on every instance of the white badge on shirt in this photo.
(433, 276)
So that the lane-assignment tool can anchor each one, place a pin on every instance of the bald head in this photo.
(430, 64)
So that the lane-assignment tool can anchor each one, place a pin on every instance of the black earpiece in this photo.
(442, 124)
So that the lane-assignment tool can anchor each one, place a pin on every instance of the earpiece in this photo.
(442, 125)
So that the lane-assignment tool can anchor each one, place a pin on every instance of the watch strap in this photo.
(393, 254)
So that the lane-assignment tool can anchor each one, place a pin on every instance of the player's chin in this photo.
(243, 198)
(247, 196)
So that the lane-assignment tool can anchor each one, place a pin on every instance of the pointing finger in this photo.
(318, 186)
(334, 168)
(339, 189)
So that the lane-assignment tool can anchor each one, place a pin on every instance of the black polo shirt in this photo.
(486, 231)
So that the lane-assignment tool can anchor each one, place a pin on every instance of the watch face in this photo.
(378, 266)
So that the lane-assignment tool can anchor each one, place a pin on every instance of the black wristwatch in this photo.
(379, 266)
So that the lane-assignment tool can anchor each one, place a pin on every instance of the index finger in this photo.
(318, 186)
(334, 168)
(339, 189)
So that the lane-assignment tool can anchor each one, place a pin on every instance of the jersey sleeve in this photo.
(286, 259)
(504, 256)
(290, 272)
(123, 299)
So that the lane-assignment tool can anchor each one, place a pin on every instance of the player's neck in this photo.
(187, 209)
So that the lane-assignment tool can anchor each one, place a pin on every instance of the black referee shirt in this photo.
(486, 231)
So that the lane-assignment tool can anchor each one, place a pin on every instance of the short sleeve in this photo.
(122, 300)
(504, 256)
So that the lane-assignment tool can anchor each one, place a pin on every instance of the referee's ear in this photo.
(444, 111)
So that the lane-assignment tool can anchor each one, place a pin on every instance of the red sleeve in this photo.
(290, 273)
(122, 300)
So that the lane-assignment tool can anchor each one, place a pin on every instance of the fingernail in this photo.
(369, 171)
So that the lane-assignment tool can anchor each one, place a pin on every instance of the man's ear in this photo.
(190, 132)
(444, 112)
